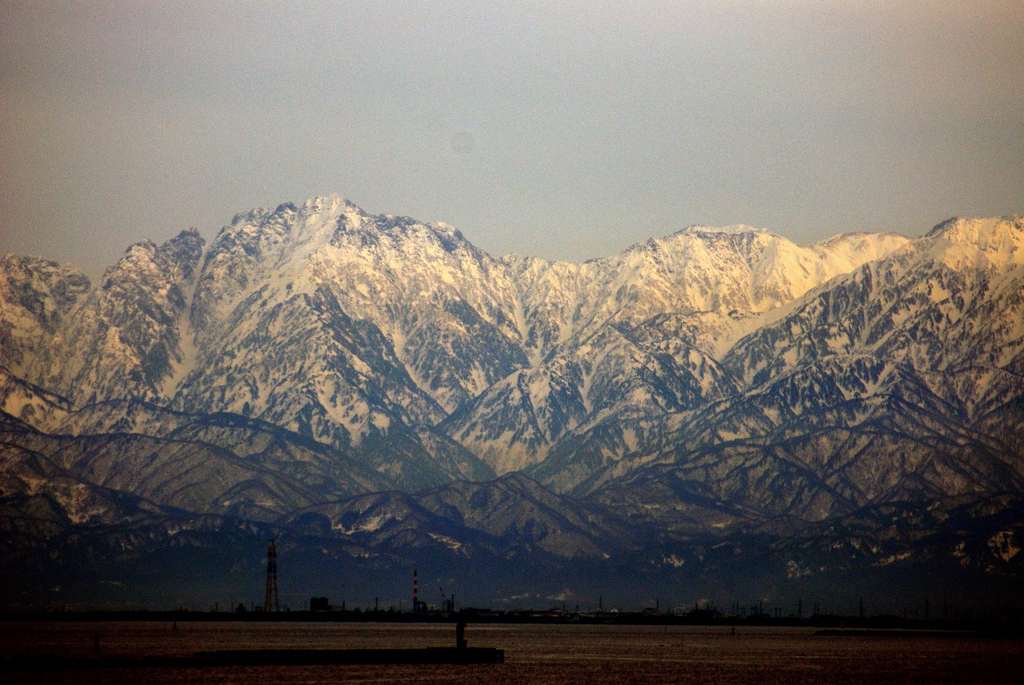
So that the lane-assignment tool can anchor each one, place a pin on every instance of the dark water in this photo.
(541, 654)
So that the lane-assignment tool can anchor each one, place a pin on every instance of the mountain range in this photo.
(719, 407)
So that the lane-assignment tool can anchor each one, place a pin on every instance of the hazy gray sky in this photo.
(563, 129)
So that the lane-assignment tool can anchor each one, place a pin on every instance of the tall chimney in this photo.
(270, 601)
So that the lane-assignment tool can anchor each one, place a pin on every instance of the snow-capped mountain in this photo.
(711, 381)
(387, 335)
(898, 381)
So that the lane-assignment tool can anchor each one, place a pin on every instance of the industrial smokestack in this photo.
(270, 600)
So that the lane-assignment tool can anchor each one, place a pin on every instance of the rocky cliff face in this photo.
(35, 296)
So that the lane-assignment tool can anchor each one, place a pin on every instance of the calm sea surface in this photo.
(541, 654)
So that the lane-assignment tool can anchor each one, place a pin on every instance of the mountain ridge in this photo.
(707, 383)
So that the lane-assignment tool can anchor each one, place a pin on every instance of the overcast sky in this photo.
(561, 129)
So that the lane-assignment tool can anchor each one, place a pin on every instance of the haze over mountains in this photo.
(378, 391)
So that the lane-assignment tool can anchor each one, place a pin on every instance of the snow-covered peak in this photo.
(35, 295)
(948, 306)
(734, 229)
(177, 256)
(325, 201)
(400, 227)
(45, 272)
(845, 252)
(995, 243)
